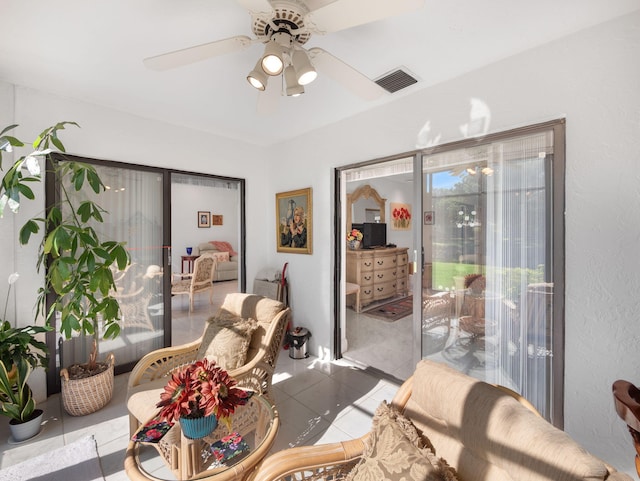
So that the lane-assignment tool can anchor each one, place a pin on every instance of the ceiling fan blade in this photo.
(268, 99)
(345, 74)
(189, 55)
(343, 14)
(256, 6)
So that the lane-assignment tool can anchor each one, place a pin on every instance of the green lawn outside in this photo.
(443, 273)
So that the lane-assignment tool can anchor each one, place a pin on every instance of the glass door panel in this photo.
(487, 268)
(133, 200)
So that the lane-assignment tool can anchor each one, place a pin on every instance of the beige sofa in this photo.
(480, 430)
(225, 270)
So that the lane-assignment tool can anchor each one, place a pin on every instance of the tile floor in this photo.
(318, 402)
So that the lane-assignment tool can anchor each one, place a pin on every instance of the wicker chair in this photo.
(148, 377)
(201, 280)
(441, 401)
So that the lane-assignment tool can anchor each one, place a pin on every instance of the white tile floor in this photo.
(318, 402)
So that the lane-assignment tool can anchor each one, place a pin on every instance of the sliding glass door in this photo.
(135, 215)
(493, 263)
(486, 258)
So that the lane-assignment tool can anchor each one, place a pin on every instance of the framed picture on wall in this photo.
(204, 218)
(400, 216)
(216, 219)
(429, 217)
(294, 221)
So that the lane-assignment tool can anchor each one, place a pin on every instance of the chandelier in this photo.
(467, 219)
(283, 53)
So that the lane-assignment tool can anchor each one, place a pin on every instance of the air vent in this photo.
(396, 80)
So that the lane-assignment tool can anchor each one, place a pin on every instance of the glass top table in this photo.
(176, 457)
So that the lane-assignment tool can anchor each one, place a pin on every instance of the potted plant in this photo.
(79, 264)
(20, 353)
(199, 395)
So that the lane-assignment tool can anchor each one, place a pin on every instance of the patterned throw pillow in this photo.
(395, 451)
(226, 340)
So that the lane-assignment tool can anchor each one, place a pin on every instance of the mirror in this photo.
(365, 205)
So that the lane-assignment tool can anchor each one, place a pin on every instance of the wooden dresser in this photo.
(380, 273)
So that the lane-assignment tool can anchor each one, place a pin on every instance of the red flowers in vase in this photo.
(201, 389)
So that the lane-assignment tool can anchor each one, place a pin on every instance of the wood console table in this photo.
(189, 260)
(380, 273)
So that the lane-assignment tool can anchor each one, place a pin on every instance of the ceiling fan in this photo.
(284, 26)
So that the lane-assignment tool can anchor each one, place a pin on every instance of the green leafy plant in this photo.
(16, 400)
(78, 264)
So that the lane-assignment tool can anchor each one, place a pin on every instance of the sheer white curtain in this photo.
(133, 200)
(518, 271)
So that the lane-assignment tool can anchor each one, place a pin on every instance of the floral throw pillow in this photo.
(395, 452)
(226, 340)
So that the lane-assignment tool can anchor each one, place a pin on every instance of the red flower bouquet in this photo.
(201, 389)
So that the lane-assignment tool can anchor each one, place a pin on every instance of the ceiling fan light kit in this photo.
(257, 77)
(284, 26)
(304, 69)
(294, 88)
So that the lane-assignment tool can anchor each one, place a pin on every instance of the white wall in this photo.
(592, 78)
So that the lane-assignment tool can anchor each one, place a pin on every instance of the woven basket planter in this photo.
(89, 394)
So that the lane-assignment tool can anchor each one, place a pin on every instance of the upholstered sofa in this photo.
(467, 430)
(227, 268)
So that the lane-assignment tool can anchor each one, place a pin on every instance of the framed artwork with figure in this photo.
(294, 226)
(204, 219)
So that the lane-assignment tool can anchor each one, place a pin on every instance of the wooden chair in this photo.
(626, 398)
(148, 377)
(201, 280)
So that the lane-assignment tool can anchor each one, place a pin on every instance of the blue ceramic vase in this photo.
(197, 428)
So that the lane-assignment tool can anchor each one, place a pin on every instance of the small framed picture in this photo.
(204, 218)
(429, 217)
(216, 219)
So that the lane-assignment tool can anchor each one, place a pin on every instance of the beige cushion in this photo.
(226, 339)
(257, 307)
(144, 397)
(394, 453)
(488, 435)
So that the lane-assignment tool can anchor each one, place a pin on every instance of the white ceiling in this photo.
(92, 50)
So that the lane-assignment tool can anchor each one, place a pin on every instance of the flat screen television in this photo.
(374, 234)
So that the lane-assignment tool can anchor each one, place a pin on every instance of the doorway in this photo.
(485, 252)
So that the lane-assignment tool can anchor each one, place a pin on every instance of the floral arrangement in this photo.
(201, 389)
(401, 217)
(355, 234)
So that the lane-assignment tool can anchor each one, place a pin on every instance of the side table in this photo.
(257, 422)
(189, 260)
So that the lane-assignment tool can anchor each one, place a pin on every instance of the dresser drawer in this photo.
(403, 259)
(402, 271)
(366, 278)
(384, 275)
(384, 261)
(384, 290)
(401, 285)
(366, 264)
(366, 294)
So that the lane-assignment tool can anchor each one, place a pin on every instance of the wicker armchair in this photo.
(148, 377)
(476, 427)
